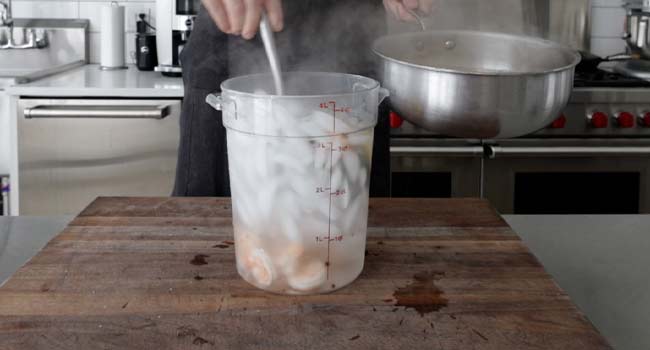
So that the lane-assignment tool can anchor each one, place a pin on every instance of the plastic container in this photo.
(300, 176)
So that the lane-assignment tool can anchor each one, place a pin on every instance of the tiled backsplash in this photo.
(92, 11)
(607, 27)
(607, 24)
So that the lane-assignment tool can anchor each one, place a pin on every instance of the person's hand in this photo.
(242, 17)
(401, 8)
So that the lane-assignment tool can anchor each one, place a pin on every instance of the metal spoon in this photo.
(272, 54)
(418, 18)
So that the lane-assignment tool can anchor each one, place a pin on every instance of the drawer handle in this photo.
(97, 112)
(472, 151)
(498, 151)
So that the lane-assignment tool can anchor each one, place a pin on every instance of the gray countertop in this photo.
(89, 80)
(602, 262)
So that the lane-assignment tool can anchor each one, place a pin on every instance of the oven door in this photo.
(606, 176)
(430, 168)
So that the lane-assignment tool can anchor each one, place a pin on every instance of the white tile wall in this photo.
(607, 24)
(90, 10)
(608, 17)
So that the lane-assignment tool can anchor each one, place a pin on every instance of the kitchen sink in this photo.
(66, 47)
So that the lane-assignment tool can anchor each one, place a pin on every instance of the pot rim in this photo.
(553, 45)
(375, 85)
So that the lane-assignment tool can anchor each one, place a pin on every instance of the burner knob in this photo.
(598, 120)
(559, 123)
(625, 120)
(644, 120)
(396, 120)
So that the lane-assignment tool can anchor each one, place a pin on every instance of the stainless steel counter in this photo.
(603, 262)
(21, 237)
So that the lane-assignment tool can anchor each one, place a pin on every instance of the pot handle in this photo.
(218, 102)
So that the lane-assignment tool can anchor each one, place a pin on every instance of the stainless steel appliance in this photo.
(594, 158)
(73, 150)
(637, 26)
(637, 38)
(174, 23)
(435, 167)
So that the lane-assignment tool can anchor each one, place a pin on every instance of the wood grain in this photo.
(439, 274)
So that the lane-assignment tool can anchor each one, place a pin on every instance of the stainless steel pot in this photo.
(637, 27)
(476, 84)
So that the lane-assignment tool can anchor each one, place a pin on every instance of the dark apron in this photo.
(318, 36)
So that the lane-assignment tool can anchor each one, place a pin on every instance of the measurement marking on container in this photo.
(339, 148)
(331, 105)
(337, 238)
(329, 215)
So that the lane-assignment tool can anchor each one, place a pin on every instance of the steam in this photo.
(522, 17)
(334, 36)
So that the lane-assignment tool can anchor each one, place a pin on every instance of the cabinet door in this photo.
(71, 151)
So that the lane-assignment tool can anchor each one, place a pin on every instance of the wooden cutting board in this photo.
(159, 273)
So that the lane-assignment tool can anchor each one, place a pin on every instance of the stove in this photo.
(607, 79)
(593, 159)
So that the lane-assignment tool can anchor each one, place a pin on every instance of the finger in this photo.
(411, 4)
(427, 6)
(252, 18)
(404, 14)
(275, 13)
(235, 10)
(217, 12)
(391, 6)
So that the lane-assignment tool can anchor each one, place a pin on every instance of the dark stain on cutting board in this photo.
(422, 294)
(199, 259)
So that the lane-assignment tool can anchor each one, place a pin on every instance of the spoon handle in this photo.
(272, 53)
(418, 18)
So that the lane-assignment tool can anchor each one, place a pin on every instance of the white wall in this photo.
(608, 18)
(91, 11)
(607, 24)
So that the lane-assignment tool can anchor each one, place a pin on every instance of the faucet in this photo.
(5, 15)
(31, 39)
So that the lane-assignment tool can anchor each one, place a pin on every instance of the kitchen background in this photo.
(607, 19)
(607, 26)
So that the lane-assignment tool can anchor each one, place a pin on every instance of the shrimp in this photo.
(308, 276)
(253, 261)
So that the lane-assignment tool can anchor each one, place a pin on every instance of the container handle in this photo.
(383, 94)
(215, 100)
(218, 102)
